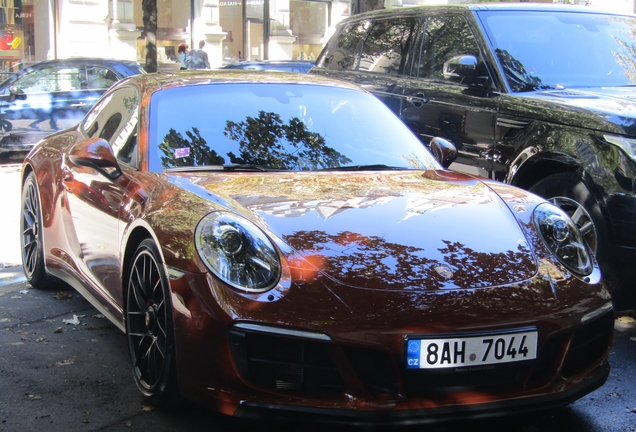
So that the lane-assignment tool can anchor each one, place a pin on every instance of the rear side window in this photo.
(445, 37)
(386, 48)
(342, 53)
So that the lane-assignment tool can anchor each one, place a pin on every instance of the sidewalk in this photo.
(10, 215)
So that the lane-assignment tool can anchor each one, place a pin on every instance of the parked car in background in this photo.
(54, 95)
(299, 66)
(282, 246)
(539, 96)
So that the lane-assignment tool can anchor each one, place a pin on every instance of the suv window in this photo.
(345, 53)
(445, 37)
(387, 45)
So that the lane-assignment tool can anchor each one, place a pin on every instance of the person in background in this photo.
(199, 58)
(183, 56)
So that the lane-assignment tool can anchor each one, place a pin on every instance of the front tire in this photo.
(568, 192)
(31, 236)
(149, 326)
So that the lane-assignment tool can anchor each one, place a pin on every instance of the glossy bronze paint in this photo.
(319, 224)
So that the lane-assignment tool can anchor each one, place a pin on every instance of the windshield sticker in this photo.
(182, 152)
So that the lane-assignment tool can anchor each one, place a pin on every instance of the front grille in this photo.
(286, 364)
(374, 369)
(589, 345)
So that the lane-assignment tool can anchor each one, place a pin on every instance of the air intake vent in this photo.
(286, 364)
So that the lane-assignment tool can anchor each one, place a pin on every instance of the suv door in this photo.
(440, 103)
(375, 55)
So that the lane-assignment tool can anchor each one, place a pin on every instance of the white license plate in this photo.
(471, 351)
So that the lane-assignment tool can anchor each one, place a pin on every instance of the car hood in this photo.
(606, 109)
(407, 230)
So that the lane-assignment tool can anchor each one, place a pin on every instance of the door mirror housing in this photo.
(98, 154)
(465, 69)
(443, 150)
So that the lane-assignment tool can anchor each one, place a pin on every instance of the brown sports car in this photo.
(281, 245)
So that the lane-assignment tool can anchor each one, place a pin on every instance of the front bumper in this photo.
(276, 412)
(358, 375)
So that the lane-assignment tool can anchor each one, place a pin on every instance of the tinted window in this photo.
(539, 50)
(114, 118)
(290, 127)
(99, 77)
(386, 47)
(51, 79)
(444, 37)
(344, 47)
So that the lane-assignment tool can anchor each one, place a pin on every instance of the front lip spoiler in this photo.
(275, 412)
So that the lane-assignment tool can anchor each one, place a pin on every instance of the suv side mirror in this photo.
(461, 69)
(465, 69)
(443, 150)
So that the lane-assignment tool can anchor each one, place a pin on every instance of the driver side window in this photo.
(444, 37)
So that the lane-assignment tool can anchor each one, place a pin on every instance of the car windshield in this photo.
(295, 127)
(553, 50)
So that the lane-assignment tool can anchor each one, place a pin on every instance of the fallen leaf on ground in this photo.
(65, 362)
(64, 295)
(58, 330)
(35, 397)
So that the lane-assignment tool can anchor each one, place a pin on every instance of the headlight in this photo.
(563, 238)
(628, 145)
(237, 251)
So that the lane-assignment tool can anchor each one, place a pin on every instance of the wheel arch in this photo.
(534, 169)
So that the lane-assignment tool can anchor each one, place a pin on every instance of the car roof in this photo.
(163, 80)
(550, 7)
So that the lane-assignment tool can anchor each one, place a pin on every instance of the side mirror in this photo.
(443, 150)
(461, 69)
(96, 153)
(16, 93)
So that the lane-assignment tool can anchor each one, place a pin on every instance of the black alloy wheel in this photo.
(149, 326)
(31, 235)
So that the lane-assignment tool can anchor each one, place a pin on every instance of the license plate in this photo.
(471, 351)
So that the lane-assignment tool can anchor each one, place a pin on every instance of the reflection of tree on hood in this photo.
(198, 152)
(267, 141)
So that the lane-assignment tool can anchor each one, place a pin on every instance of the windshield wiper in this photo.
(373, 167)
(226, 167)
(249, 167)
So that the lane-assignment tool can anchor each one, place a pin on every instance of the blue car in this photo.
(299, 66)
(54, 95)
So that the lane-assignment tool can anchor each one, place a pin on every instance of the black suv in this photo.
(539, 96)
